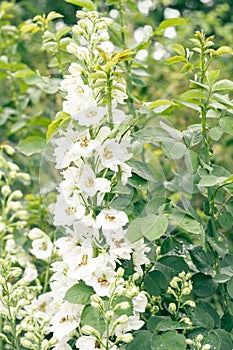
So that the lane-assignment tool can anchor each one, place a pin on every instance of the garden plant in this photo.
(116, 204)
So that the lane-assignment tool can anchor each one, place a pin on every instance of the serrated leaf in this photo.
(31, 145)
(88, 4)
(79, 294)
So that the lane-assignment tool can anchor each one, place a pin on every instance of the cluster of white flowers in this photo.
(92, 159)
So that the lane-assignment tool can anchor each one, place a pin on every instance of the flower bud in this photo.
(186, 291)
(109, 314)
(35, 233)
(24, 176)
(126, 338)
(189, 341)
(6, 190)
(120, 272)
(122, 319)
(172, 307)
(122, 306)
(81, 14)
(7, 328)
(206, 347)
(9, 150)
(88, 330)
(26, 343)
(15, 272)
(199, 337)
(16, 195)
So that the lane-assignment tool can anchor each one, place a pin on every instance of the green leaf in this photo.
(56, 125)
(31, 145)
(159, 106)
(211, 180)
(223, 86)
(171, 22)
(189, 105)
(79, 294)
(173, 149)
(163, 323)
(142, 341)
(172, 265)
(186, 68)
(154, 226)
(196, 85)
(202, 260)
(226, 124)
(62, 31)
(88, 4)
(212, 76)
(178, 49)
(203, 285)
(138, 182)
(142, 170)
(213, 340)
(175, 59)
(191, 161)
(225, 220)
(134, 232)
(216, 133)
(170, 340)
(230, 287)
(94, 318)
(155, 282)
(193, 94)
(225, 339)
(150, 135)
(200, 318)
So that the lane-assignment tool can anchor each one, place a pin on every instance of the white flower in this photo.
(134, 323)
(102, 185)
(119, 246)
(86, 343)
(111, 219)
(119, 116)
(63, 145)
(140, 302)
(139, 255)
(91, 116)
(83, 147)
(62, 345)
(66, 320)
(30, 273)
(42, 248)
(103, 276)
(125, 173)
(112, 154)
(67, 211)
(87, 181)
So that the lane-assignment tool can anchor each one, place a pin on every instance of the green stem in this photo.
(109, 94)
(127, 63)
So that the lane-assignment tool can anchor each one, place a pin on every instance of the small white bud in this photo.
(88, 330)
(35, 233)
(6, 190)
(109, 314)
(126, 338)
(172, 307)
(26, 343)
(9, 150)
(206, 347)
(199, 337)
(122, 319)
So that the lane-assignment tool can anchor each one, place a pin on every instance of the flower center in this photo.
(89, 183)
(91, 114)
(110, 217)
(118, 243)
(70, 210)
(84, 142)
(103, 281)
(108, 154)
(64, 319)
(84, 260)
